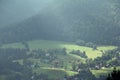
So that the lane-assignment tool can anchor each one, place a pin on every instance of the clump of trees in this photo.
(87, 44)
(107, 60)
(79, 53)
(114, 75)
(82, 75)
(9, 65)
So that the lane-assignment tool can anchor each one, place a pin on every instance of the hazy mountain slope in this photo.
(14, 11)
(69, 20)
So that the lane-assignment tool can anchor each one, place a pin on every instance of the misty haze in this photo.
(59, 40)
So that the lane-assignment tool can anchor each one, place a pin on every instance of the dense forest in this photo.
(71, 38)
(86, 21)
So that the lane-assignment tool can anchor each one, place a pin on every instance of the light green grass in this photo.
(104, 71)
(47, 44)
(89, 51)
(54, 73)
(106, 48)
(44, 44)
(97, 73)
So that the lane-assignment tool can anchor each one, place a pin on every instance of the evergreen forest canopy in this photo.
(91, 21)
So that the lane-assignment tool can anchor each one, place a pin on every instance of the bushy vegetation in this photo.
(48, 44)
(29, 61)
(77, 52)
(114, 75)
(10, 67)
(42, 62)
(87, 44)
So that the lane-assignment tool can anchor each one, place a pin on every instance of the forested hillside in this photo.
(91, 21)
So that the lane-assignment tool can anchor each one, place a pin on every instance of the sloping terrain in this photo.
(47, 44)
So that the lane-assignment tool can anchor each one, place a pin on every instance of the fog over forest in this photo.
(19, 10)
(63, 17)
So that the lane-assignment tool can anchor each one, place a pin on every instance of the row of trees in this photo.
(82, 75)
(79, 53)
(114, 75)
(88, 44)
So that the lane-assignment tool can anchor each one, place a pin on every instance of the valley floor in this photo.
(56, 59)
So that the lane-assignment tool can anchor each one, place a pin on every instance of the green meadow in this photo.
(47, 44)
(103, 71)
(54, 73)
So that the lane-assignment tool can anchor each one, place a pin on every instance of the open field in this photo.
(104, 71)
(54, 73)
(47, 44)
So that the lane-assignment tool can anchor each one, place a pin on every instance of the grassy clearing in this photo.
(89, 51)
(97, 73)
(106, 48)
(44, 44)
(47, 44)
(54, 73)
(104, 71)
